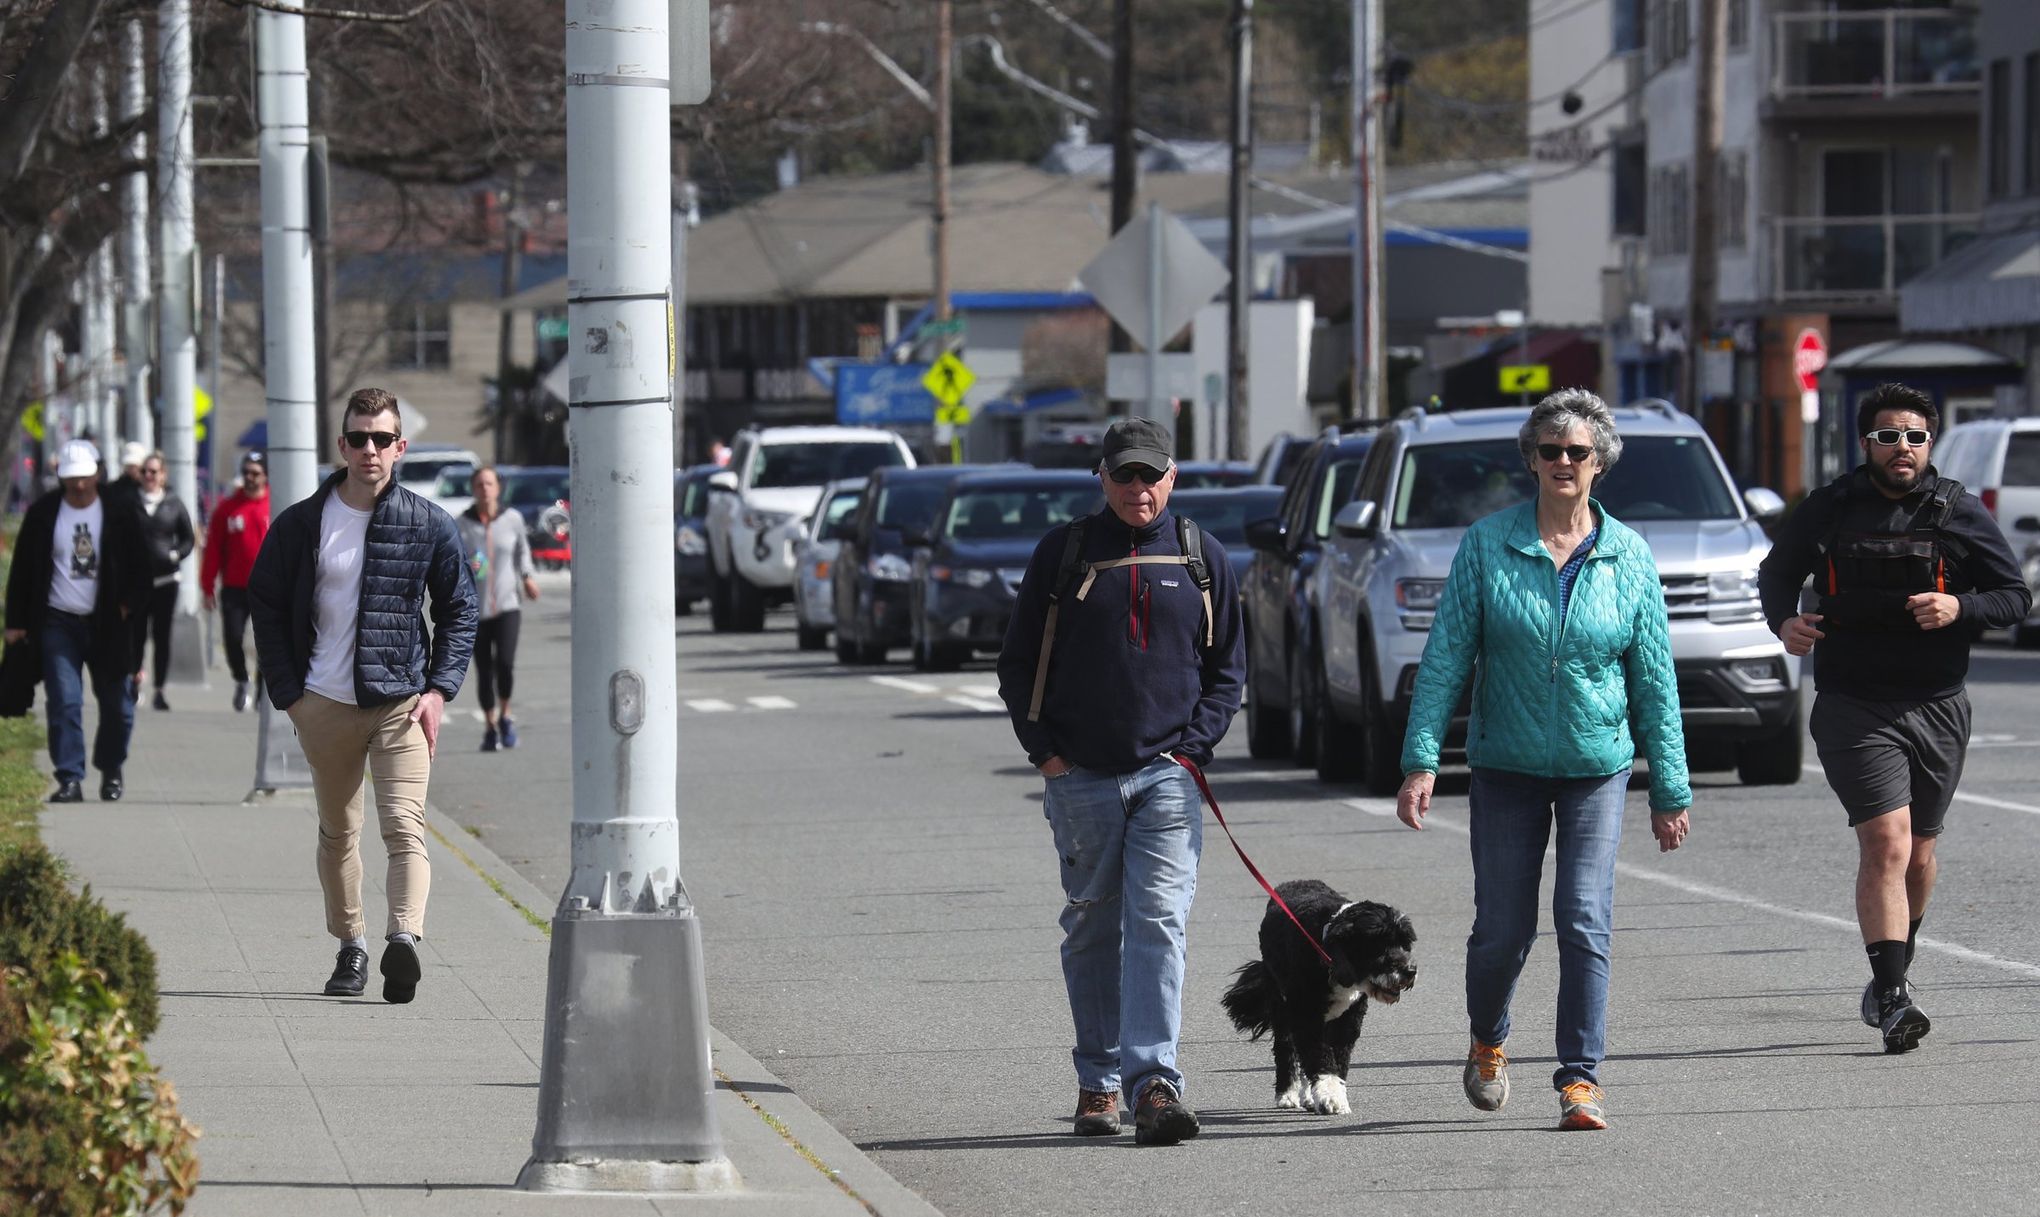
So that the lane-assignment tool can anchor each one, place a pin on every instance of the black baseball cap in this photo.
(1137, 441)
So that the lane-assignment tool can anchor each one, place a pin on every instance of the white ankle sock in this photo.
(358, 943)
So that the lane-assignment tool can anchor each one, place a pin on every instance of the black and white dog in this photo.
(1315, 1011)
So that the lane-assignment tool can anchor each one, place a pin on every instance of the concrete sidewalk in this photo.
(313, 1105)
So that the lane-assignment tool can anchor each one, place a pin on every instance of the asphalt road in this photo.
(878, 899)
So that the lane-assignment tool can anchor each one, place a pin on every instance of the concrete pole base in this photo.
(190, 648)
(626, 1091)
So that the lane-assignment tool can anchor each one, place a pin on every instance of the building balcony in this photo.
(1889, 61)
(1859, 259)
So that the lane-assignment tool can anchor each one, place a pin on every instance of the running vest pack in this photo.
(1865, 578)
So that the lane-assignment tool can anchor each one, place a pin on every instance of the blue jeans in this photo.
(66, 653)
(1511, 820)
(1129, 844)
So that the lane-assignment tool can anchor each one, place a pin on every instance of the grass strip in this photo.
(495, 884)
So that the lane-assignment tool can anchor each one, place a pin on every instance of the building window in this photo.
(1738, 25)
(1627, 34)
(1734, 190)
(1997, 157)
(1631, 188)
(1671, 31)
(2032, 170)
(420, 337)
(1670, 210)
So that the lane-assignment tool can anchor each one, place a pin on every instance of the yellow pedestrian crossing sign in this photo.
(1526, 378)
(957, 415)
(948, 379)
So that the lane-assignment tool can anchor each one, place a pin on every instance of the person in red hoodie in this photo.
(231, 542)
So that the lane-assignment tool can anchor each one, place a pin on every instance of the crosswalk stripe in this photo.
(978, 704)
(901, 682)
(988, 692)
(710, 705)
(771, 703)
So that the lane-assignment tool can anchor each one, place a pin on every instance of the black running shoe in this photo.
(1902, 1023)
(1869, 1008)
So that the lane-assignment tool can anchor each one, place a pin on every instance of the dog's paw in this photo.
(1327, 1096)
(1292, 1098)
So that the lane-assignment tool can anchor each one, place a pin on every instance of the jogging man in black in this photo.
(1907, 571)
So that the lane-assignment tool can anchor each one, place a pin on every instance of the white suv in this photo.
(1428, 476)
(759, 504)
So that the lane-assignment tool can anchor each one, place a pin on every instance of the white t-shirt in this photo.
(74, 586)
(336, 599)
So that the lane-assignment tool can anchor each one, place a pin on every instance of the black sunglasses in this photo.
(1889, 437)
(1578, 452)
(360, 439)
(1125, 474)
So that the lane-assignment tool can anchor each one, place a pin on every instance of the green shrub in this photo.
(40, 919)
(87, 1127)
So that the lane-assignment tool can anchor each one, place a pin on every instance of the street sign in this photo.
(1526, 378)
(1809, 356)
(882, 394)
(957, 415)
(1126, 376)
(948, 379)
(32, 421)
(1118, 277)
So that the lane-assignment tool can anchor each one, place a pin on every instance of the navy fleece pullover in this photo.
(1129, 676)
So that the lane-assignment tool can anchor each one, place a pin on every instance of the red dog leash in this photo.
(1211, 801)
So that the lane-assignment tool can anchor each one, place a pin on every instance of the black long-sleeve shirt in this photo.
(1895, 660)
(1129, 676)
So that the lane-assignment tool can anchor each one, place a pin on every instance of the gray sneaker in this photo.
(1869, 1008)
(1487, 1076)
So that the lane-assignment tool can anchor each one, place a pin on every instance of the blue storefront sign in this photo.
(882, 394)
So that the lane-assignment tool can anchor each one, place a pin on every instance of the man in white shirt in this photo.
(80, 572)
(337, 598)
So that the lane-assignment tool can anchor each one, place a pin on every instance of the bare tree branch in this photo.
(337, 14)
(63, 30)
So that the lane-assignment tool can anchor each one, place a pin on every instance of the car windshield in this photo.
(427, 469)
(778, 465)
(910, 504)
(1337, 490)
(993, 514)
(1660, 477)
(454, 481)
(1226, 516)
(693, 498)
(536, 487)
(841, 505)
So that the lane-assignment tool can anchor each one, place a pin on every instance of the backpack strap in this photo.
(1190, 539)
(1066, 572)
(1940, 508)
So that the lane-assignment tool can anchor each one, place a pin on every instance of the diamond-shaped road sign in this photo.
(1118, 277)
(948, 379)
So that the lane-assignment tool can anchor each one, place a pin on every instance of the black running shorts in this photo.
(1883, 755)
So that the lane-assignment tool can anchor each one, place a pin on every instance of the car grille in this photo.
(1685, 596)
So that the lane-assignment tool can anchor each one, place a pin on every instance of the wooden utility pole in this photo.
(1123, 151)
(943, 39)
(1240, 216)
(1702, 277)
(1369, 361)
(513, 249)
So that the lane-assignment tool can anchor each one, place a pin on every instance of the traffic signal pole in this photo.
(625, 1085)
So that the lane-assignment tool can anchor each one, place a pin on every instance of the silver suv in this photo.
(1430, 475)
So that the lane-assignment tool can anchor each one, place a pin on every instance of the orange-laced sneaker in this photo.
(1579, 1107)
(1097, 1113)
(1487, 1076)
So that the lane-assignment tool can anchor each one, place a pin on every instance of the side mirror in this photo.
(1266, 534)
(1358, 518)
(1766, 506)
(723, 480)
(2027, 523)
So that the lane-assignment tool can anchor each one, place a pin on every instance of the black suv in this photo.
(875, 566)
(1282, 626)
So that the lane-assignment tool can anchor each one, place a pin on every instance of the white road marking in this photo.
(1982, 800)
(901, 682)
(710, 705)
(988, 692)
(1386, 807)
(978, 704)
(771, 703)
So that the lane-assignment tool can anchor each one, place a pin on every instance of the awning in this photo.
(1896, 357)
(1990, 284)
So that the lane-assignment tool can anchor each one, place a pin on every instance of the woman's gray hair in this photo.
(1556, 414)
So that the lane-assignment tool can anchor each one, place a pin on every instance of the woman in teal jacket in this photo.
(1554, 611)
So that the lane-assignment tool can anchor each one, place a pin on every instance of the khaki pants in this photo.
(338, 740)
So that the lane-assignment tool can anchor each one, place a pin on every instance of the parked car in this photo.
(1204, 475)
(1224, 512)
(814, 555)
(759, 503)
(1998, 460)
(690, 544)
(875, 565)
(1282, 623)
(1066, 446)
(540, 494)
(1429, 476)
(977, 554)
(419, 471)
(454, 491)
(1279, 459)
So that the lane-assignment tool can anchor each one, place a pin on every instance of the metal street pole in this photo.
(1239, 211)
(140, 424)
(176, 345)
(1366, 146)
(625, 1085)
(100, 289)
(1703, 267)
(941, 157)
(1124, 166)
(289, 349)
(1153, 406)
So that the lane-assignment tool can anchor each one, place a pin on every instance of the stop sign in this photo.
(1809, 356)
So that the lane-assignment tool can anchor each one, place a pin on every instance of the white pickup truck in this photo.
(758, 506)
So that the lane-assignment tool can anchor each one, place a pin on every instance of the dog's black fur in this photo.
(1315, 1011)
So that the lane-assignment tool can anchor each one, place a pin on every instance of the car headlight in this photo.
(689, 541)
(760, 520)
(891, 568)
(1416, 600)
(1732, 597)
(968, 576)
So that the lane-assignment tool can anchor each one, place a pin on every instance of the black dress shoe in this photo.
(110, 789)
(69, 792)
(400, 972)
(350, 973)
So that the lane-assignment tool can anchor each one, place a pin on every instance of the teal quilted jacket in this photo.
(1556, 702)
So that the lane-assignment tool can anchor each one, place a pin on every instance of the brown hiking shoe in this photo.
(1161, 1117)
(1097, 1113)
